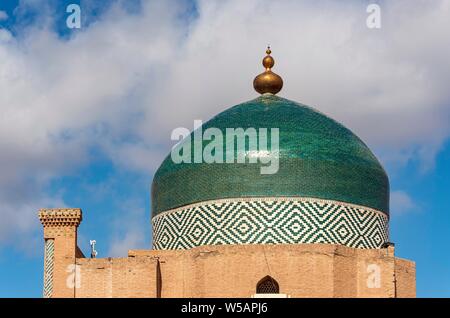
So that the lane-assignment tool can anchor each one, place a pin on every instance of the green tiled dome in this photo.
(318, 158)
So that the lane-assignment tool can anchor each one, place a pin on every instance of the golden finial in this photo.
(268, 81)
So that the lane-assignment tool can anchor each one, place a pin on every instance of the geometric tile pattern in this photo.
(270, 221)
(49, 252)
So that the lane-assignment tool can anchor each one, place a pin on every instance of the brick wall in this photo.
(306, 270)
(406, 278)
(301, 270)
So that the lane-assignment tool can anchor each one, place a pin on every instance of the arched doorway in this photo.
(267, 285)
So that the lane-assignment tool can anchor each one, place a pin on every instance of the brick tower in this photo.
(61, 251)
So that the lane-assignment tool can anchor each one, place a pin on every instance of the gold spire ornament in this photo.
(268, 81)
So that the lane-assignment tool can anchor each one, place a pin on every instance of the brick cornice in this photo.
(60, 217)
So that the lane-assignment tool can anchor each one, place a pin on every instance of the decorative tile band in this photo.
(270, 221)
(49, 252)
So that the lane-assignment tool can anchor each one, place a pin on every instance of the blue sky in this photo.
(87, 114)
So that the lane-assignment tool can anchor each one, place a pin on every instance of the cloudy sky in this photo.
(86, 114)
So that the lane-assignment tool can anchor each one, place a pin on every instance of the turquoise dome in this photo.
(318, 158)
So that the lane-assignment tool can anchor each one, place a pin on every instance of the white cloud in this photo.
(123, 83)
(121, 246)
(62, 97)
(5, 35)
(402, 203)
(386, 85)
(3, 15)
(128, 231)
(19, 217)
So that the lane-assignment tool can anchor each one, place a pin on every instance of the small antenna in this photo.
(93, 251)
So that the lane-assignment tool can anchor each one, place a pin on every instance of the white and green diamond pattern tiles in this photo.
(269, 221)
(49, 251)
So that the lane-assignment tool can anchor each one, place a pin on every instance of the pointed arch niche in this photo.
(268, 287)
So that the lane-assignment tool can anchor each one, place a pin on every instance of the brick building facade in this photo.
(300, 270)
